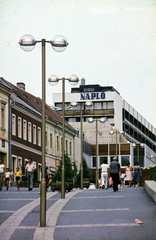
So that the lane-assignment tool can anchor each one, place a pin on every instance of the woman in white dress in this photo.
(128, 174)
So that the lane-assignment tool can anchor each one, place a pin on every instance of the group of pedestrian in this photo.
(9, 175)
(113, 172)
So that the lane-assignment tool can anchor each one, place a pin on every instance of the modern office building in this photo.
(134, 138)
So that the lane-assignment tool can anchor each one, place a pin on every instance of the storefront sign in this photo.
(92, 96)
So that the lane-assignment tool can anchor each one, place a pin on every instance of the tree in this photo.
(69, 172)
(85, 173)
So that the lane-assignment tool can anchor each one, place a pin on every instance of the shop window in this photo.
(124, 160)
(105, 159)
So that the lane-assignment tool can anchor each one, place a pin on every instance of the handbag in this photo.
(110, 181)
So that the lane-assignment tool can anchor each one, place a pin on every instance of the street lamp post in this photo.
(59, 44)
(75, 104)
(116, 132)
(102, 120)
(53, 80)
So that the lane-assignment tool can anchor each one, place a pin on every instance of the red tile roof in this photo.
(35, 102)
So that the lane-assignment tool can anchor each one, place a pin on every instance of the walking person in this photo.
(2, 171)
(128, 174)
(29, 170)
(7, 178)
(114, 171)
(104, 174)
(137, 174)
(11, 177)
(18, 174)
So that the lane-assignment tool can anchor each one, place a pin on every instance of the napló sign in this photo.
(92, 96)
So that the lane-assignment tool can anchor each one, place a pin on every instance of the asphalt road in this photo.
(93, 214)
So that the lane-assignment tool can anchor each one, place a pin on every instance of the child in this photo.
(7, 178)
(18, 174)
(122, 180)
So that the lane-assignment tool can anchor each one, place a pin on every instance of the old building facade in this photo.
(26, 128)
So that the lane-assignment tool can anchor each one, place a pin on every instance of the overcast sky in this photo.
(111, 42)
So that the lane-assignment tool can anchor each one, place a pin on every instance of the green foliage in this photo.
(153, 177)
(151, 167)
(70, 170)
(85, 173)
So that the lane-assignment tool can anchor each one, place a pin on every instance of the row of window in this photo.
(59, 145)
(124, 160)
(26, 130)
(95, 106)
(138, 124)
(31, 133)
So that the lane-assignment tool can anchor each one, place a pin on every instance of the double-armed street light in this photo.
(53, 80)
(102, 120)
(59, 44)
(115, 131)
(87, 104)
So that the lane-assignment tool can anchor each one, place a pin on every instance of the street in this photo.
(83, 214)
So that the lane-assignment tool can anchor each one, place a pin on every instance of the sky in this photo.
(111, 43)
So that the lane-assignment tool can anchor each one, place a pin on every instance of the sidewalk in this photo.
(83, 214)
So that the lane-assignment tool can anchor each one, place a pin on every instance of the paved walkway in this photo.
(88, 214)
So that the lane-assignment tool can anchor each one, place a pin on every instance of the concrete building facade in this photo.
(134, 138)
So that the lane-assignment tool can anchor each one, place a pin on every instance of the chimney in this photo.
(21, 85)
(83, 81)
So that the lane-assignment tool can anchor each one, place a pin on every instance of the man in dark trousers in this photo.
(114, 172)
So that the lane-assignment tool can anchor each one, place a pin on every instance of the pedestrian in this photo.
(122, 180)
(104, 174)
(2, 171)
(29, 170)
(7, 178)
(114, 172)
(11, 177)
(128, 174)
(18, 174)
(137, 174)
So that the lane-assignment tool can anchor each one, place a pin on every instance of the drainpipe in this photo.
(10, 128)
